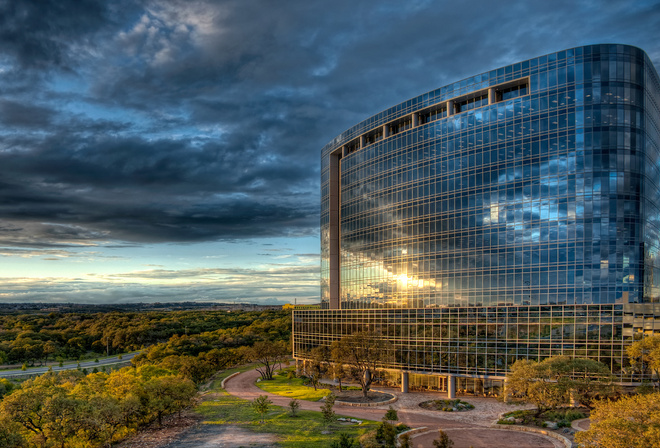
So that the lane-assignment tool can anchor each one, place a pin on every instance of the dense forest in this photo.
(39, 338)
(181, 349)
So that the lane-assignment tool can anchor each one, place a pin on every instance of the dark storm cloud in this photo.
(49, 33)
(17, 114)
(179, 121)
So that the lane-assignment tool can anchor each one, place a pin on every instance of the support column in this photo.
(362, 145)
(451, 387)
(415, 120)
(492, 95)
(404, 382)
(450, 108)
(386, 131)
(334, 231)
(505, 391)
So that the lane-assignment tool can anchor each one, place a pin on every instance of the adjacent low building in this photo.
(514, 214)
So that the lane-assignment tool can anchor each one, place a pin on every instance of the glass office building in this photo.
(514, 214)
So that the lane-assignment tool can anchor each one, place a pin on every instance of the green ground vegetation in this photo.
(291, 387)
(302, 431)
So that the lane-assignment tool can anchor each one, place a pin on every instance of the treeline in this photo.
(199, 356)
(34, 338)
(72, 409)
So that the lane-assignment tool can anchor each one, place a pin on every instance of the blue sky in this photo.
(169, 150)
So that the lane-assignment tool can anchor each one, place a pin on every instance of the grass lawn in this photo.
(302, 431)
(292, 388)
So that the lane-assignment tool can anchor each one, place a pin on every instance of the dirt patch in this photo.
(191, 432)
(222, 436)
(155, 436)
(356, 396)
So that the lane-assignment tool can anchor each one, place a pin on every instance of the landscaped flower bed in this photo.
(559, 418)
(447, 405)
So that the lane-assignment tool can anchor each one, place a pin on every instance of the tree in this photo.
(631, 422)
(268, 354)
(443, 440)
(327, 409)
(391, 414)
(386, 433)
(261, 404)
(338, 372)
(6, 386)
(167, 394)
(550, 383)
(316, 364)
(294, 405)
(363, 352)
(44, 409)
(644, 356)
(25, 407)
(10, 436)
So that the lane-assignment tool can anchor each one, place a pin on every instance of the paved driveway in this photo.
(464, 428)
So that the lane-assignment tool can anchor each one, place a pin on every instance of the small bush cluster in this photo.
(563, 417)
(384, 436)
(447, 405)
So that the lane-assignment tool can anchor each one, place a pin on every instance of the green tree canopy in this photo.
(363, 352)
(551, 383)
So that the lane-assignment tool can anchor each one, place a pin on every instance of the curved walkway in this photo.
(465, 428)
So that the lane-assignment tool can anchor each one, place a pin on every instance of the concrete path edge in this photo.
(222, 384)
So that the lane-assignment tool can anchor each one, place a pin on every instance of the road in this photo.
(83, 365)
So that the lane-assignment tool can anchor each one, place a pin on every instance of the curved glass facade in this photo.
(531, 190)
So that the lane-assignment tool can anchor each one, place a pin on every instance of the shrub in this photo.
(261, 404)
(404, 441)
(503, 421)
(368, 440)
(294, 405)
(572, 414)
(443, 440)
(563, 424)
(345, 441)
(401, 427)
(391, 414)
(645, 388)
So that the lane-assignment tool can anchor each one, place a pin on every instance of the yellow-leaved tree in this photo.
(644, 357)
(631, 422)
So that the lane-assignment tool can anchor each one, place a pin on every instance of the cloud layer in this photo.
(188, 121)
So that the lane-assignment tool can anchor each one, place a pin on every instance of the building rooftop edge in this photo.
(457, 88)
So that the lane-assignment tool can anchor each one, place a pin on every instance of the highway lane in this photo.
(56, 368)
